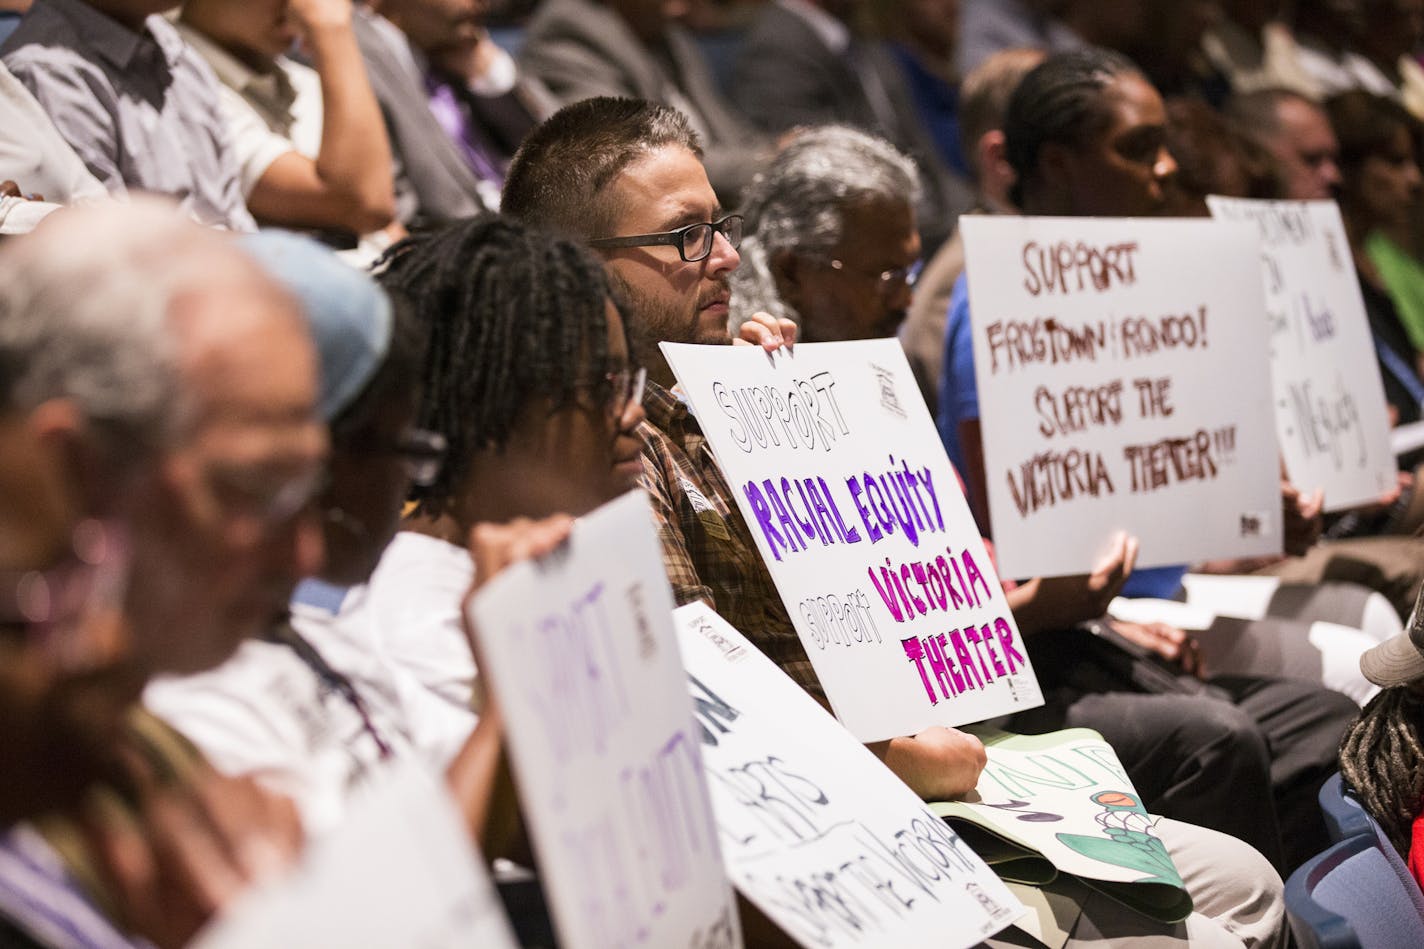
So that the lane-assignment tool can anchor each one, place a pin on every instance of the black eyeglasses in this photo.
(693, 242)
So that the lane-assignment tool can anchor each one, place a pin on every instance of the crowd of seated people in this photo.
(319, 313)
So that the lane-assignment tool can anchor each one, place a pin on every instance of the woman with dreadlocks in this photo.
(1382, 754)
(528, 379)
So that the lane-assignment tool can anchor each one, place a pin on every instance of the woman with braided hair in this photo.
(529, 381)
(1382, 754)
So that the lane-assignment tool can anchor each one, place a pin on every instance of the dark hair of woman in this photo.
(1382, 761)
(514, 315)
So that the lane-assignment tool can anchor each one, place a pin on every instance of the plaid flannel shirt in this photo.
(708, 551)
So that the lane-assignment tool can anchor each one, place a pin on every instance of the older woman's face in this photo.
(1387, 184)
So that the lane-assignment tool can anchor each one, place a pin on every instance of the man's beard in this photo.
(651, 321)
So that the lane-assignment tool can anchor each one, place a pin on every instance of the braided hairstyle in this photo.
(1382, 760)
(514, 315)
(1059, 101)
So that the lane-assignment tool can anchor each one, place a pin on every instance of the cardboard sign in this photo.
(816, 831)
(399, 871)
(1062, 803)
(1331, 419)
(582, 657)
(842, 479)
(1124, 385)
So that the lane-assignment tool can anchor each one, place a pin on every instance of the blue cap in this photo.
(347, 313)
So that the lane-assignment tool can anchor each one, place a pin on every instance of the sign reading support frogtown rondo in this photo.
(1331, 418)
(816, 831)
(582, 657)
(839, 473)
(1124, 385)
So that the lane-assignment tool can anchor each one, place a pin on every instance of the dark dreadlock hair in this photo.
(514, 315)
(1382, 760)
(1059, 101)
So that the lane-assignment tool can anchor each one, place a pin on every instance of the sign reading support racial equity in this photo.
(1124, 385)
(1331, 418)
(842, 480)
(399, 871)
(583, 659)
(816, 831)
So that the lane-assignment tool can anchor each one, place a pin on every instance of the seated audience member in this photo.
(138, 105)
(983, 95)
(1298, 136)
(1213, 157)
(1073, 107)
(43, 169)
(586, 48)
(310, 143)
(158, 360)
(922, 35)
(481, 101)
(1388, 39)
(802, 64)
(433, 182)
(640, 179)
(1387, 565)
(1254, 48)
(529, 380)
(1382, 756)
(1379, 190)
(1052, 26)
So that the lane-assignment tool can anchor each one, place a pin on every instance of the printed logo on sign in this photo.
(1253, 524)
(696, 498)
(729, 650)
(889, 398)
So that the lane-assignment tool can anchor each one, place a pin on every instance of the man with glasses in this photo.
(310, 706)
(626, 177)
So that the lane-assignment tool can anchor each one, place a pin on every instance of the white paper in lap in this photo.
(400, 871)
(815, 830)
(842, 480)
(583, 658)
(1329, 401)
(1124, 385)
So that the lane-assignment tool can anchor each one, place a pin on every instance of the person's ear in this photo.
(790, 273)
(75, 468)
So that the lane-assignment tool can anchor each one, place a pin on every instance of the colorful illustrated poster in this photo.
(816, 831)
(399, 871)
(582, 656)
(842, 480)
(1061, 803)
(1331, 419)
(1124, 385)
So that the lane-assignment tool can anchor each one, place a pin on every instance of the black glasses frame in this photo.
(730, 227)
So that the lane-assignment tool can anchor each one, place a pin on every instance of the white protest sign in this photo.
(816, 831)
(1331, 419)
(1124, 385)
(399, 871)
(1065, 797)
(582, 656)
(841, 478)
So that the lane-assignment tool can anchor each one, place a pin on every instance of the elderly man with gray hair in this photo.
(174, 386)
